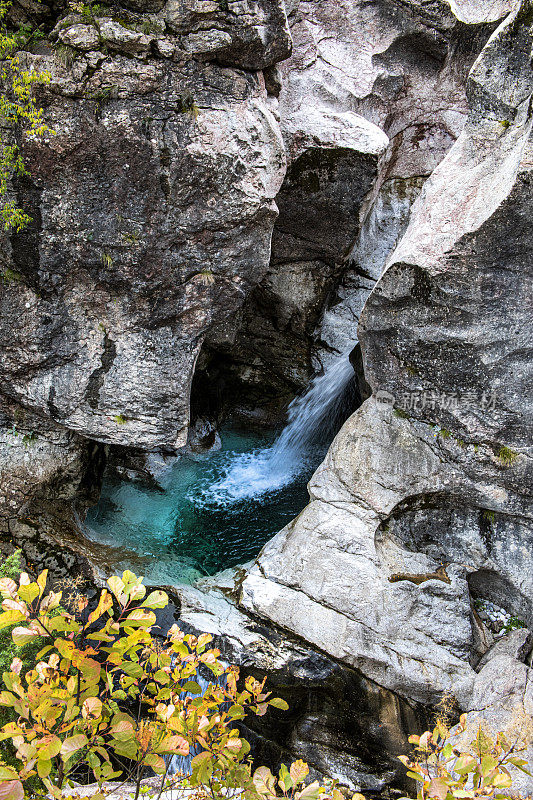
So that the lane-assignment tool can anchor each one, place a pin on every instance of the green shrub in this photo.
(18, 113)
(507, 456)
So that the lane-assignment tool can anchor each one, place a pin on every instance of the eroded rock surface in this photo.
(153, 206)
(149, 258)
(440, 481)
(38, 457)
(354, 66)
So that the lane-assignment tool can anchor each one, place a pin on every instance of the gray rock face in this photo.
(503, 701)
(240, 33)
(474, 12)
(383, 225)
(319, 204)
(516, 644)
(153, 208)
(409, 80)
(443, 479)
(38, 457)
(149, 261)
(382, 61)
(326, 576)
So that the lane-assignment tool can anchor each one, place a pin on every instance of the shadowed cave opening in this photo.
(206, 509)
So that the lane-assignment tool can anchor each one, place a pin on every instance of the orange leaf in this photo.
(11, 790)
(92, 708)
(438, 788)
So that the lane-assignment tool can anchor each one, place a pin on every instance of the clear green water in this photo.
(215, 510)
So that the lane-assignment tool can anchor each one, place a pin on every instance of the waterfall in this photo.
(313, 419)
(181, 765)
(314, 415)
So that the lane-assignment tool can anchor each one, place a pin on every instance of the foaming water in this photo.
(175, 534)
(313, 419)
(217, 510)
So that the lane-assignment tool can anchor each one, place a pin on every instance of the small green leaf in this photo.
(116, 586)
(157, 599)
(192, 687)
(502, 781)
(465, 764)
(44, 767)
(264, 781)
(277, 702)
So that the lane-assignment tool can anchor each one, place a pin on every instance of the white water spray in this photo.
(310, 420)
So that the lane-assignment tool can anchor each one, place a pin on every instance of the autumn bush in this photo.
(11, 568)
(466, 762)
(103, 693)
(95, 695)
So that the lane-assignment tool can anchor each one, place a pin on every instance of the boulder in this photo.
(239, 33)
(337, 578)
(79, 35)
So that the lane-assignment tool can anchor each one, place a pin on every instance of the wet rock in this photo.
(319, 206)
(407, 81)
(48, 533)
(383, 226)
(203, 436)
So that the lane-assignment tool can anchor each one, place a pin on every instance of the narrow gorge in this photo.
(267, 340)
